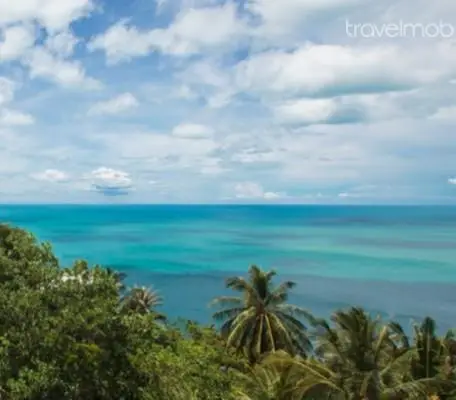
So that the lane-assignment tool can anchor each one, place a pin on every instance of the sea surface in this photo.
(398, 262)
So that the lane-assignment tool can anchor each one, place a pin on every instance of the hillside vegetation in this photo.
(79, 333)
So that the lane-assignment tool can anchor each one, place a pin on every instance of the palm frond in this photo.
(398, 334)
(414, 389)
(222, 315)
(224, 301)
(239, 327)
(241, 285)
(299, 312)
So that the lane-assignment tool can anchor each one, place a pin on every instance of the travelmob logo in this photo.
(400, 29)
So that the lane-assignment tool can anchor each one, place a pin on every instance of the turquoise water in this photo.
(398, 261)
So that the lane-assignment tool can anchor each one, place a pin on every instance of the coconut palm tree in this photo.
(365, 359)
(298, 378)
(449, 368)
(143, 300)
(435, 356)
(312, 379)
(271, 379)
(261, 321)
(429, 350)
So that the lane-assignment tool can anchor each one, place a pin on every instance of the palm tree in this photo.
(143, 301)
(365, 359)
(449, 345)
(429, 350)
(435, 356)
(269, 380)
(298, 378)
(261, 321)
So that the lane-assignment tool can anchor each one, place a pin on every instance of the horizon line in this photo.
(240, 204)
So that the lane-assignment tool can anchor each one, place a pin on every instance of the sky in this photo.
(228, 101)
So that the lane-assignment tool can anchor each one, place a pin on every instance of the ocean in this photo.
(398, 262)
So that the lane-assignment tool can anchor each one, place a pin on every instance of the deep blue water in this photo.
(396, 261)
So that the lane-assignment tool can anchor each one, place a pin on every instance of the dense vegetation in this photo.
(78, 333)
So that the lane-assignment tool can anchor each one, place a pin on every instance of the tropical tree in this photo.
(269, 380)
(181, 364)
(365, 359)
(59, 338)
(429, 350)
(449, 365)
(261, 321)
(143, 300)
(118, 277)
(435, 356)
(298, 378)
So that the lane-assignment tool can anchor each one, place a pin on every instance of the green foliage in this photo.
(261, 321)
(142, 300)
(76, 333)
(68, 333)
(186, 368)
(358, 358)
(62, 335)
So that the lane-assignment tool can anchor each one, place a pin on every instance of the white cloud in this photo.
(15, 118)
(307, 111)
(111, 176)
(323, 154)
(285, 17)
(273, 195)
(253, 190)
(452, 181)
(47, 61)
(192, 131)
(110, 182)
(213, 82)
(343, 109)
(183, 4)
(187, 34)
(51, 175)
(122, 42)
(157, 147)
(7, 88)
(118, 104)
(184, 92)
(340, 83)
(445, 113)
(211, 166)
(44, 64)
(162, 152)
(9, 117)
(62, 44)
(17, 40)
(344, 195)
(54, 15)
(251, 155)
(376, 192)
(333, 69)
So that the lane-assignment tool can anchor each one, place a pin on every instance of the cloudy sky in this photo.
(195, 101)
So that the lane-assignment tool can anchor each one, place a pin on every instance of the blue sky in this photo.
(209, 101)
